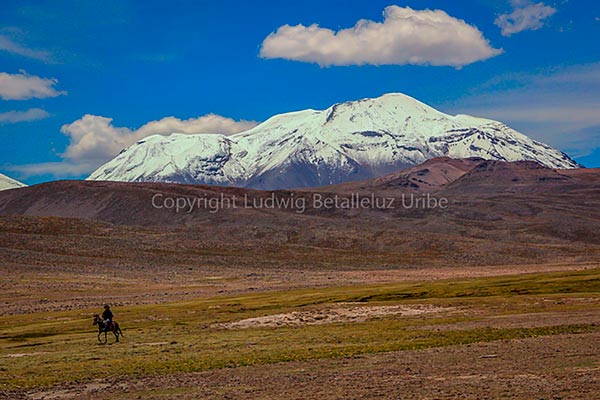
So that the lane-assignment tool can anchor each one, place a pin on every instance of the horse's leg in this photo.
(118, 330)
(105, 337)
(116, 335)
(99, 333)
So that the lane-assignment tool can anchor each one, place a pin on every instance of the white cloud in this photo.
(62, 169)
(210, 123)
(24, 86)
(525, 16)
(6, 44)
(95, 140)
(33, 114)
(406, 36)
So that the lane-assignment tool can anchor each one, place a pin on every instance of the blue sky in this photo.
(140, 61)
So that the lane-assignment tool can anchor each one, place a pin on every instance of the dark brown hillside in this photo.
(95, 236)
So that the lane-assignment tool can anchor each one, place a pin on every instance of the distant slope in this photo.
(488, 177)
(349, 141)
(473, 185)
(115, 202)
(430, 176)
(491, 218)
(474, 176)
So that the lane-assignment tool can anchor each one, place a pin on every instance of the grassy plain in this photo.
(44, 349)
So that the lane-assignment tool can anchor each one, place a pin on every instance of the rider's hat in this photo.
(106, 306)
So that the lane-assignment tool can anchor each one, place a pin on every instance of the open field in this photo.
(53, 264)
(466, 323)
(497, 296)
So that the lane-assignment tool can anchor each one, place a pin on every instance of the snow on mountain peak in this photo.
(347, 141)
(9, 183)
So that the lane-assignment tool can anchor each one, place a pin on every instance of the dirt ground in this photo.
(42, 289)
(555, 367)
(331, 315)
(63, 266)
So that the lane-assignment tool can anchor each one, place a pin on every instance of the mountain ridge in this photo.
(348, 141)
(474, 180)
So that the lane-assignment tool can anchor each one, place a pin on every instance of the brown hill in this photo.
(475, 189)
(543, 218)
(475, 175)
(430, 176)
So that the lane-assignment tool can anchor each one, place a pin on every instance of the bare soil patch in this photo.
(344, 313)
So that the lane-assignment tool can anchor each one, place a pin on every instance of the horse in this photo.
(114, 328)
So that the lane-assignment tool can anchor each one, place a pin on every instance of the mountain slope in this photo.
(518, 201)
(475, 177)
(348, 141)
(9, 183)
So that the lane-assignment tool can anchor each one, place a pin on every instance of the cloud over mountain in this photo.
(558, 105)
(95, 139)
(406, 36)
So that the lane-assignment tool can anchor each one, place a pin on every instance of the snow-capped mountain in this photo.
(348, 141)
(9, 183)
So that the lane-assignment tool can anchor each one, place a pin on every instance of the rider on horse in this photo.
(107, 324)
(107, 316)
